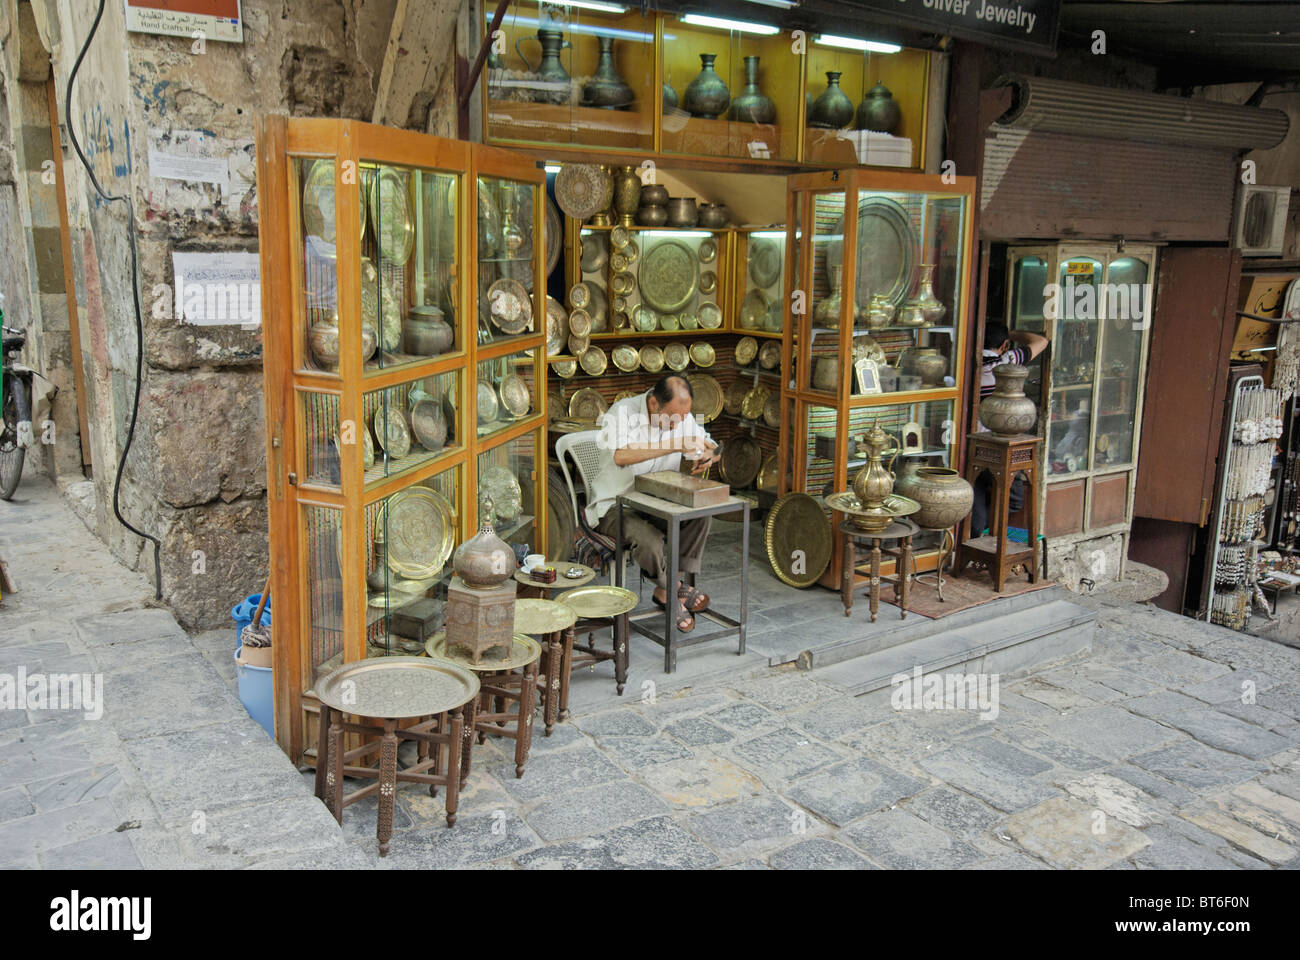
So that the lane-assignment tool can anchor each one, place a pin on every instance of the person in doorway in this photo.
(648, 433)
(1001, 346)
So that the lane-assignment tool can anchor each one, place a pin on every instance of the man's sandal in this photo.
(693, 599)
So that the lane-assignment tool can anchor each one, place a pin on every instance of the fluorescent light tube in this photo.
(854, 43)
(596, 5)
(721, 23)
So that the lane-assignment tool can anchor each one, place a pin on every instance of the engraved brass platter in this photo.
(772, 412)
(769, 355)
(540, 617)
(583, 189)
(593, 361)
(587, 405)
(708, 250)
(644, 319)
(751, 408)
(702, 354)
(599, 600)
(510, 306)
(872, 519)
(764, 262)
(767, 480)
(318, 207)
(392, 430)
(557, 326)
(594, 254)
(652, 358)
(710, 316)
(566, 368)
(503, 487)
(676, 357)
(391, 212)
(398, 687)
(523, 651)
(708, 397)
(798, 536)
(746, 351)
(741, 458)
(420, 530)
(486, 403)
(625, 358)
(669, 276)
(516, 398)
(754, 310)
(734, 395)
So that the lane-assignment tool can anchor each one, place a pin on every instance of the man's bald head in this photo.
(670, 400)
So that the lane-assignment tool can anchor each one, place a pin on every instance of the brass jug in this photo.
(875, 481)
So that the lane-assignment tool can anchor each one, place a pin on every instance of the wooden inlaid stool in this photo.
(553, 622)
(900, 530)
(597, 607)
(504, 679)
(390, 690)
(1003, 458)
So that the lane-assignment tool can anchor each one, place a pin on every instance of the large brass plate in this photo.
(486, 403)
(767, 479)
(509, 306)
(420, 528)
(746, 351)
(593, 361)
(540, 617)
(754, 310)
(764, 262)
(873, 519)
(708, 397)
(669, 275)
(599, 600)
(703, 354)
(318, 206)
(769, 355)
(676, 356)
(523, 651)
(798, 540)
(741, 458)
(557, 326)
(751, 408)
(887, 246)
(710, 316)
(516, 398)
(565, 368)
(583, 189)
(644, 319)
(587, 405)
(594, 254)
(554, 236)
(626, 358)
(392, 430)
(503, 487)
(391, 212)
(398, 687)
(734, 395)
(772, 412)
(652, 358)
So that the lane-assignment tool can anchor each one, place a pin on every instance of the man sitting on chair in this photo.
(646, 434)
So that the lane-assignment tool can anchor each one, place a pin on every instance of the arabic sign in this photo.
(213, 19)
(1019, 24)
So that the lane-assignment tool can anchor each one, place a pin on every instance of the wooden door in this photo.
(1186, 382)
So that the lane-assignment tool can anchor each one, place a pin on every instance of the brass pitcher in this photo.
(875, 481)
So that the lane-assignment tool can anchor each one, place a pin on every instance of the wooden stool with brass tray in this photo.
(599, 606)
(878, 525)
(553, 622)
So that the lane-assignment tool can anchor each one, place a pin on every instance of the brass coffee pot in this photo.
(875, 481)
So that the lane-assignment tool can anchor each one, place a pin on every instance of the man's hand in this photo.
(706, 461)
(694, 446)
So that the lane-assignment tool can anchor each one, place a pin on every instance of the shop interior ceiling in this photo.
(1194, 42)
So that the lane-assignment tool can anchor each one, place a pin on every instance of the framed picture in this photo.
(868, 376)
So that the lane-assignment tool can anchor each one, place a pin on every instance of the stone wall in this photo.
(196, 475)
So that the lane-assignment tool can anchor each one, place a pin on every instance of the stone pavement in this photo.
(1175, 744)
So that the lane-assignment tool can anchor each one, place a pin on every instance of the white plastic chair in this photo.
(590, 458)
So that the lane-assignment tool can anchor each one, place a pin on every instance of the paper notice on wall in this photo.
(217, 288)
(211, 19)
(191, 156)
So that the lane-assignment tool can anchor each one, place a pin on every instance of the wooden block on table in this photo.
(681, 488)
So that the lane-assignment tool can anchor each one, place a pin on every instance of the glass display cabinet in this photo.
(875, 321)
(396, 392)
(1093, 303)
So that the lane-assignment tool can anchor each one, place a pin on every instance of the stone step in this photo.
(1011, 645)
(877, 638)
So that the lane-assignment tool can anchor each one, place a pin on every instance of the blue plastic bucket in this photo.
(243, 611)
(255, 692)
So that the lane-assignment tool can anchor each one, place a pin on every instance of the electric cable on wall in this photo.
(135, 298)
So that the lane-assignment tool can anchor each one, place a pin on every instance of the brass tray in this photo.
(619, 237)
(746, 351)
(622, 284)
(710, 316)
(708, 282)
(516, 398)
(619, 261)
(398, 687)
(579, 295)
(587, 405)
(503, 487)
(798, 537)
(421, 528)
(669, 276)
(579, 322)
(523, 651)
(652, 358)
(594, 254)
(509, 306)
(764, 262)
(599, 600)
(583, 189)
(772, 412)
(767, 479)
(554, 236)
(625, 358)
(873, 519)
(676, 357)
(390, 213)
(395, 437)
(578, 344)
(708, 250)
(689, 320)
(708, 397)
(741, 458)
(751, 408)
(593, 361)
(769, 355)
(644, 320)
(557, 326)
(754, 310)
(429, 424)
(619, 321)
(565, 368)
(702, 354)
(599, 308)
(734, 395)
(669, 321)
(540, 617)
(318, 207)
(486, 403)
(887, 246)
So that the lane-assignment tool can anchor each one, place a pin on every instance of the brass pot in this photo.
(1007, 411)
(875, 481)
(945, 497)
(652, 215)
(323, 338)
(606, 89)
(930, 366)
(714, 216)
(682, 212)
(826, 374)
(880, 312)
(427, 334)
(707, 95)
(484, 560)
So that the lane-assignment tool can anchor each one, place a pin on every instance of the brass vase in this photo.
(932, 307)
(484, 560)
(878, 111)
(833, 109)
(606, 89)
(752, 106)
(627, 195)
(1007, 411)
(553, 80)
(707, 96)
(945, 497)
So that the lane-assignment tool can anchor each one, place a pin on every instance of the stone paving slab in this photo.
(847, 791)
(1067, 833)
(901, 841)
